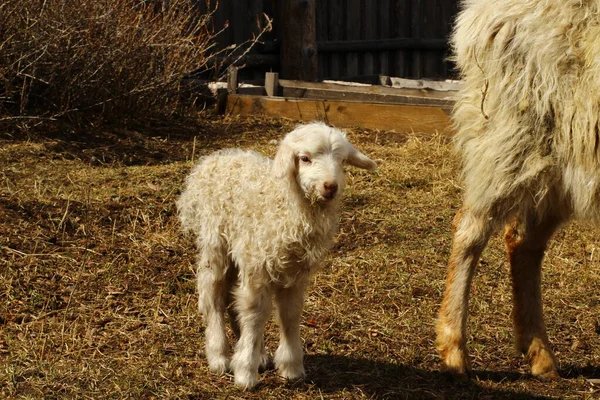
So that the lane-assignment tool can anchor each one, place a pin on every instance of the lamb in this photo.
(262, 227)
(528, 130)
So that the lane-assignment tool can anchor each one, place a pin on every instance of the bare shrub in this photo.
(105, 57)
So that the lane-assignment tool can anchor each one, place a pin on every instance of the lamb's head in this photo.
(312, 157)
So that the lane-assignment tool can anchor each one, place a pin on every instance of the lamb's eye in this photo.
(305, 159)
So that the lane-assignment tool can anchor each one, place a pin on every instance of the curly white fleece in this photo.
(262, 227)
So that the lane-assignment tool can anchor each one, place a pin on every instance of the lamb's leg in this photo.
(232, 279)
(471, 233)
(235, 326)
(526, 240)
(253, 306)
(289, 354)
(212, 295)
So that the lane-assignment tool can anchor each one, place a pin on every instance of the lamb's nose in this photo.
(330, 188)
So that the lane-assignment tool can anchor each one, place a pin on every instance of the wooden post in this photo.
(272, 83)
(232, 79)
(298, 40)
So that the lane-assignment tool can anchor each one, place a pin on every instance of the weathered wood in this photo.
(232, 79)
(384, 29)
(322, 94)
(336, 32)
(382, 45)
(353, 17)
(298, 40)
(370, 62)
(424, 84)
(272, 83)
(380, 36)
(420, 88)
(322, 33)
(401, 118)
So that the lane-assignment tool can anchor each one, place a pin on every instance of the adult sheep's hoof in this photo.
(455, 363)
(549, 376)
(543, 363)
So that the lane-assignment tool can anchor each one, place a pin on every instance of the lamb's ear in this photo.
(358, 159)
(284, 163)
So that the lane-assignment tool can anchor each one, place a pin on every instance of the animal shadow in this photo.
(384, 380)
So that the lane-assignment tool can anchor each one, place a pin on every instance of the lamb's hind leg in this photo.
(526, 240)
(471, 234)
(212, 299)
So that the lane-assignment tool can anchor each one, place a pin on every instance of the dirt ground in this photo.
(97, 295)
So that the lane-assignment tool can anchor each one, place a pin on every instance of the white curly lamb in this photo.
(528, 129)
(262, 228)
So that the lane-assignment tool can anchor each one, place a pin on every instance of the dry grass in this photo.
(97, 287)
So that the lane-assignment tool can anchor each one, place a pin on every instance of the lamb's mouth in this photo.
(315, 197)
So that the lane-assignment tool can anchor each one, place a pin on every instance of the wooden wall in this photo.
(355, 38)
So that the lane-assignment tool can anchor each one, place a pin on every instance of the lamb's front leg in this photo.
(253, 307)
(289, 354)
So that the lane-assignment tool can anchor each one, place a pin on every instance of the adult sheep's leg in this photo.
(526, 240)
(253, 307)
(289, 354)
(471, 234)
(212, 302)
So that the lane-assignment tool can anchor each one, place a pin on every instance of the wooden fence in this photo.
(355, 38)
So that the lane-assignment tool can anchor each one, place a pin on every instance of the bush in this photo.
(107, 58)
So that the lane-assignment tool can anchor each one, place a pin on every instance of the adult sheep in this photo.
(527, 124)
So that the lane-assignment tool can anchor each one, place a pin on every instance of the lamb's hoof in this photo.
(218, 365)
(246, 380)
(291, 372)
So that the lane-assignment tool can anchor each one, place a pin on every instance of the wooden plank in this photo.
(401, 118)
(232, 79)
(384, 33)
(239, 22)
(336, 33)
(298, 50)
(371, 62)
(416, 22)
(431, 21)
(321, 94)
(424, 84)
(421, 91)
(272, 83)
(322, 26)
(401, 58)
(353, 16)
(402, 43)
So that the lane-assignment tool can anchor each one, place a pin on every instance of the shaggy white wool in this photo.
(527, 118)
(527, 122)
(262, 227)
